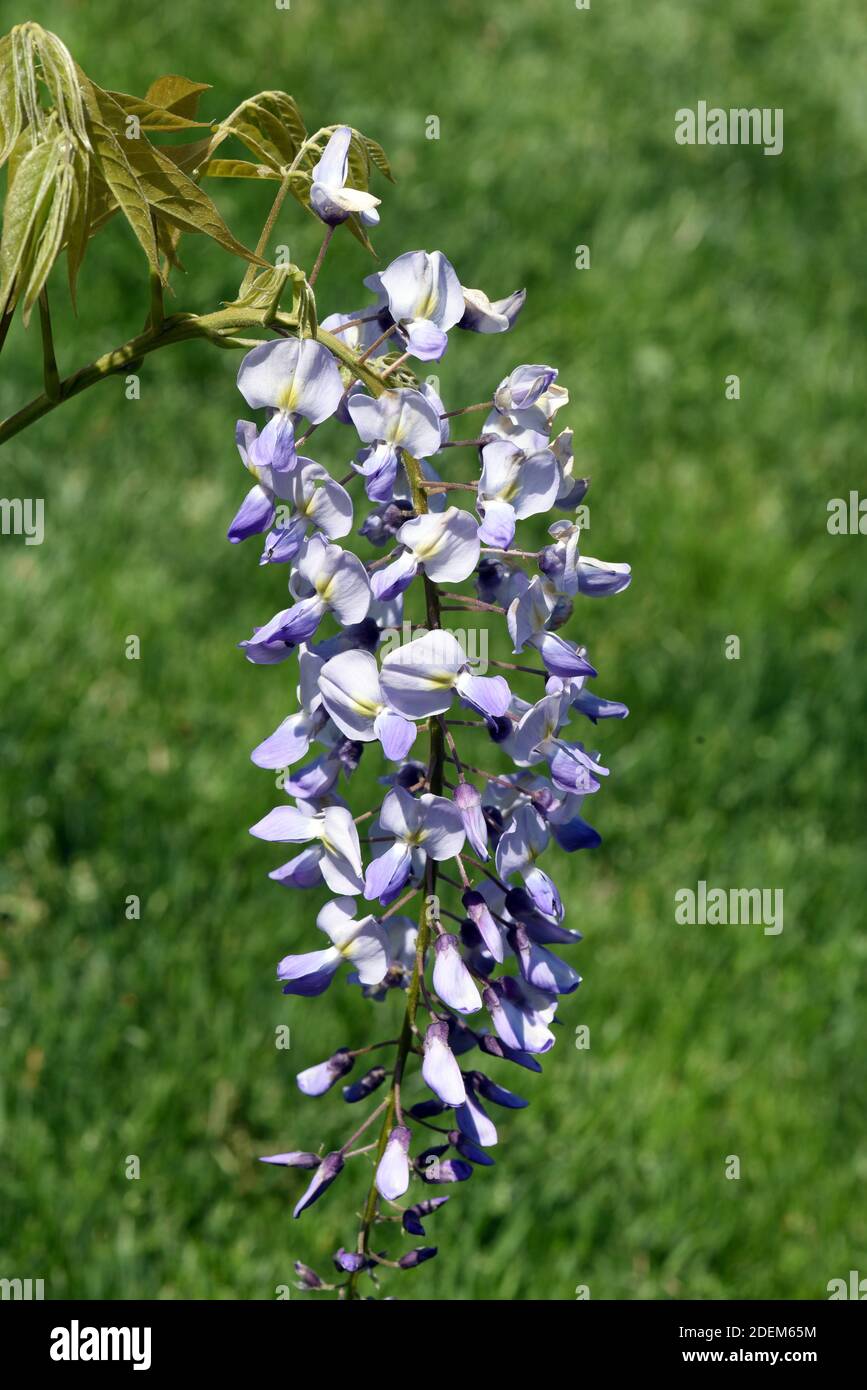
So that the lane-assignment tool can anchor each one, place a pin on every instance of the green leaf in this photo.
(358, 162)
(10, 108)
(63, 79)
(24, 70)
(270, 125)
(356, 227)
(240, 169)
(265, 289)
(175, 197)
(152, 117)
(78, 225)
(126, 189)
(287, 110)
(177, 94)
(378, 157)
(189, 157)
(28, 204)
(251, 136)
(53, 233)
(167, 190)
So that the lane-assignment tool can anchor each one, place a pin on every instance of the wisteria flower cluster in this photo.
(477, 962)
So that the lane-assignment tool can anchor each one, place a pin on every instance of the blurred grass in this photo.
(156, 1037)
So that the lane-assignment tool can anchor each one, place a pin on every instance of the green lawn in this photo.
(156, 1037)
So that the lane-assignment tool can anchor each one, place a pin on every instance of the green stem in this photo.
(435, 782)
(50, 374)
(219, 328)
(5, 325)
(158, 308)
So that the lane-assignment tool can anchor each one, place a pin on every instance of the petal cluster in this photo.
(435, 894)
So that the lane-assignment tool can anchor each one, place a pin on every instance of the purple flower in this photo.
(392, 1173)
(396, 420)
(315, 1081)
(468, 800)
(351, 692)
(518, 1025)
(330, 197)
(481, 315)
(365, 1086)
(413, 1216)
(363, 942)
(327, 579)
(425, 300)
(475, 1122)
(529, 398)
(416, 828)
(330, 1168)
(296, 1159)
(417, 1257)
(337, 849)
(295, 378)
(316, 500)
(451, 978)
(513, 485)
(421, 678)
(444, 545)
(439, 1068)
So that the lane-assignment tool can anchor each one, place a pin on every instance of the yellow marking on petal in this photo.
(428, 548)
(440, 680)
(367, 707)
(425, 307)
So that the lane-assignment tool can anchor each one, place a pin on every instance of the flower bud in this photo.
(417, 1257)
(365, 1085)
(315, 1081)
(330, 1168)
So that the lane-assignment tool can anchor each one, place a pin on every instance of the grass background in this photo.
(156, 1037)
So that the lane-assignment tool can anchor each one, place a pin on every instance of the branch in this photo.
(220, 328)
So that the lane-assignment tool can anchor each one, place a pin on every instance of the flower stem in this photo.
(436, 760)
(326, 242)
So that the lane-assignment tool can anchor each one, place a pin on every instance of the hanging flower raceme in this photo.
(439, 909)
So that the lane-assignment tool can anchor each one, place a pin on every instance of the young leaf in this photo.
(378, 157)
(165, 187)
(78, 221)
(151, 117)
(126, 188)
(10, 107)
(264, 290)
(191, 156)
(270, 125)
(177, 94)
(62, 77)
(240, 169)
(52, 234)
(27, 207)
(174, 196)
